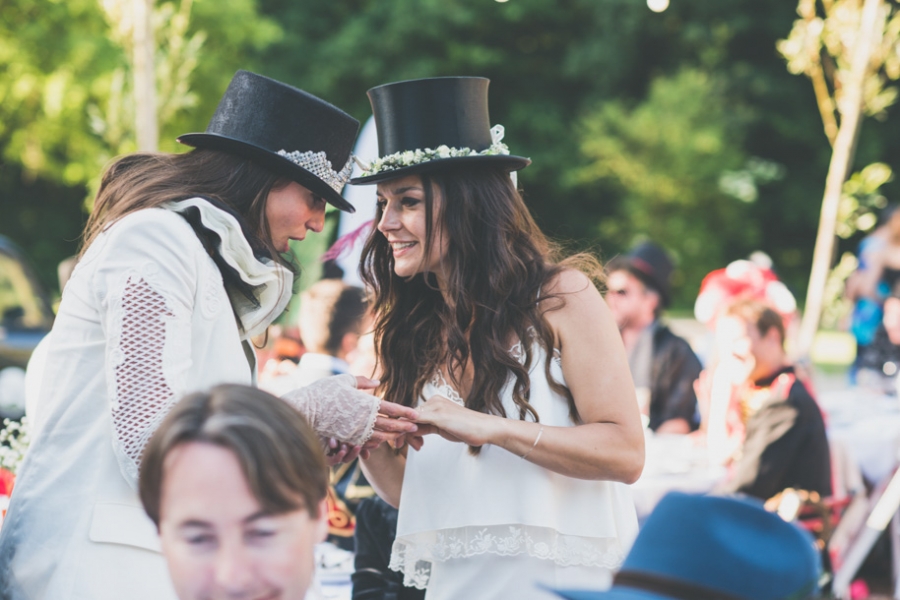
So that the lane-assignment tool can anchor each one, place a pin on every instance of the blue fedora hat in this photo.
(709, 548)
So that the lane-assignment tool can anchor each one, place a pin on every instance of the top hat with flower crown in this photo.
(286, 130)
(428, 124)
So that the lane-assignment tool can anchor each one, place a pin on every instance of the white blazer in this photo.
(144, 320)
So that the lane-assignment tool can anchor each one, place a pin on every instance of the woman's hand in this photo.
(458, 423)
(392, 421)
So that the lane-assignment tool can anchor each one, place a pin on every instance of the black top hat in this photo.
(286, 130)
(424, 124)
(649, 263)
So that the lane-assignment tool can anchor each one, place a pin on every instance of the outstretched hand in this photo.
(393, 421)
(455, 423)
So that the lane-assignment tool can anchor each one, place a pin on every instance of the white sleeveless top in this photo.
(455, 505)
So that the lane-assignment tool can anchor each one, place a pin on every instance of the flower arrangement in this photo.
(14, 442)
(408, 158)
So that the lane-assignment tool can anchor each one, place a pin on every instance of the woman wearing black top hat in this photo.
(181, 266)
(510, 356)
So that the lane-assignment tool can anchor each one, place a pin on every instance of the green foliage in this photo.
(66, 104)
(862, 198)
(660, 163)
(669, 154)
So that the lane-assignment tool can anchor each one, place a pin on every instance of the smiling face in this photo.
(217, 540)
(403, 222)
(291, 211)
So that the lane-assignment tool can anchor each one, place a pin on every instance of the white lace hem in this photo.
(414, 554)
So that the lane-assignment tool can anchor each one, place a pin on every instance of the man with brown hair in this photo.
(235, 482)
(785, 443)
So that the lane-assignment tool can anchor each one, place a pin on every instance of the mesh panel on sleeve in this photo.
(142, 393)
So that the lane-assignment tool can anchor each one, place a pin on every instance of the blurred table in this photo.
(673, 463)
(333, 570)
(867, 424)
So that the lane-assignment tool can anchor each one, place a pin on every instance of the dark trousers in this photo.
(376, 528)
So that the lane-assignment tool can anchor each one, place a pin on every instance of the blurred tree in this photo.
(66, 102)
(553, 64)
(850, 50)
(685, 178)
(556, 66)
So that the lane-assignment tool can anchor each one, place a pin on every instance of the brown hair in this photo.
(499, 263)
(280, 455)
(330, 309)
(759, 315)
(146, 180)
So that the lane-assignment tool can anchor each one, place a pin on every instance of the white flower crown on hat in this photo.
(318, 164)
(408, 158)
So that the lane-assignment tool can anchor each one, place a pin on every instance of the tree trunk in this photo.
(871, 28)
(145, 120)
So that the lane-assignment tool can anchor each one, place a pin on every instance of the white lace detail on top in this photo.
(440, 384)
(335, 408)
(413, 555)
(142, 395)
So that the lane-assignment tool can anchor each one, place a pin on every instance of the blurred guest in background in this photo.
(880, 260)
(878, 363)
(234, 480)
(784, 442)
(706, 547)
(751, 279)
(333, 316)
(868, 298)
(662, 364)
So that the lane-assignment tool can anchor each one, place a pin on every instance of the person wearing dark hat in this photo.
(511, 357)
(182, 263)
(663, 365)
(711, 548)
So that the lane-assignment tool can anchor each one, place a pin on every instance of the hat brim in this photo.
(266, 158)
(503, 161)
(615, 593)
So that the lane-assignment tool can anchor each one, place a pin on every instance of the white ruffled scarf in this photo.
(273, 281)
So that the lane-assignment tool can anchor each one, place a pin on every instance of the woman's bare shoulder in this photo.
(569, 281)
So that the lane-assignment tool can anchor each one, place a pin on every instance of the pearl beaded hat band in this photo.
(286, 130)
(426, 124)
(318, 164)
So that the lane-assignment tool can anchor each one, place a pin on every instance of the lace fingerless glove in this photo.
(335, 408)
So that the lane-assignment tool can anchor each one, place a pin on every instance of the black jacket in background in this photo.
(785, 444)
(673, 372)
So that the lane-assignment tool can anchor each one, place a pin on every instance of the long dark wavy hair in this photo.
(497, 265)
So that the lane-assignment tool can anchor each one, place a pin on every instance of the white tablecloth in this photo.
(867, 424)
(674, 463)
(333, 570)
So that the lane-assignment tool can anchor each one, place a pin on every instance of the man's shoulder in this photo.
(667, 341)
